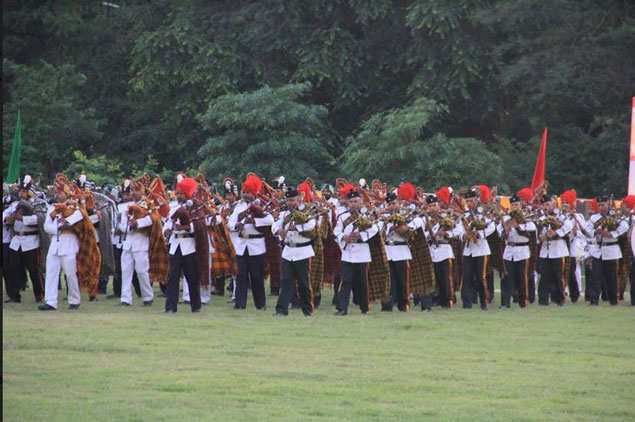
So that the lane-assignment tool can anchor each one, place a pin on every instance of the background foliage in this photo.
(433, 91)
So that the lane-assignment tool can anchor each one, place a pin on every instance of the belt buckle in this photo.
(244, 235)
(391, 243)
(292, 244)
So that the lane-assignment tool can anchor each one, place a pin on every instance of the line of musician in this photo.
(303, 238)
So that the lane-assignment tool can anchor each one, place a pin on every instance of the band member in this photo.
(182, 260)
(249, 220)
(555, 227)
(62, 254)
(518, 233)
(295, 228)
(24, 248)
(475, 227)
(577, 243)
(135, 258)
(526, 196)
(443, 228)
(606, 228)
(353, 231)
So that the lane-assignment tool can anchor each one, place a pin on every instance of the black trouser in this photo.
(219, 286)
(551, 270)
(337, 285)
(5, 268)
(188, 266)
(594, 283)
(250, 271)
(632, 278)
(399, 284)
(442, 273)
(516, 279)
(293, 271)
(490, 286)
(116, 279)
(609, 268)
(354, 277)
(474, 280)
(20, 262)
(574, 288)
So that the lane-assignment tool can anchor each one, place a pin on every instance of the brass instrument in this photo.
(472, 225)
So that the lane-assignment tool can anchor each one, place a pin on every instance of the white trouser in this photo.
(139, 262)
(206, 293)
(55, 263)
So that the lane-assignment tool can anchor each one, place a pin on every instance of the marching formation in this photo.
(397, 245)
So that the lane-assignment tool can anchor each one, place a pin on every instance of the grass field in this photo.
(110, 363)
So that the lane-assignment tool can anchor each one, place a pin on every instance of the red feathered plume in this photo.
(485, 192)
(252, 184)
(346, 189)
(594, 205)
(406, 191)
(305, 188)
(188, 186)
(570, 197)
(629, 201)
(526, 194)
(444, 194)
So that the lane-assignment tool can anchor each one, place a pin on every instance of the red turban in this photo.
(346, 189)
(485, 192)
(252, 184)
(629, 201)
(306, 189)
(444, 194)
(188, 186)
(526, 194)
(570, 197)
(406, 191)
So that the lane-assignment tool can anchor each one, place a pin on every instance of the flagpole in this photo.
(631, 166)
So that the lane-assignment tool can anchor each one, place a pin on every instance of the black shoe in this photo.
(264, 308)
(46, 307)
(167, 311)
(73, 307)
(484, 307)
(364, 312)
(204, 303)
(11, 300)
(92, 299)
(279, 314)
(124, 304)
(221, 293)
(340, 313)
(238, 307)
(196, 310)
(147, 303)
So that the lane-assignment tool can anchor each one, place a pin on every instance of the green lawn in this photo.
(110, 363)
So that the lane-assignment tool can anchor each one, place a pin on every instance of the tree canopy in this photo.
(431, 91)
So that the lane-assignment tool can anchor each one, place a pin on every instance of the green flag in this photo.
(13, 175)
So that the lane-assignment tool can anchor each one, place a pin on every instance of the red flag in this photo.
(539, 171)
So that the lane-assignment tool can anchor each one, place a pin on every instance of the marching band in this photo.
(395, 245)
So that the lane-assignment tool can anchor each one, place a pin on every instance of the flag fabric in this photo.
(13, 173)
(539, 170)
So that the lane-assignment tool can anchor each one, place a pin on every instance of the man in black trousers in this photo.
(182, 257)
(249, 221)
(296, 234)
